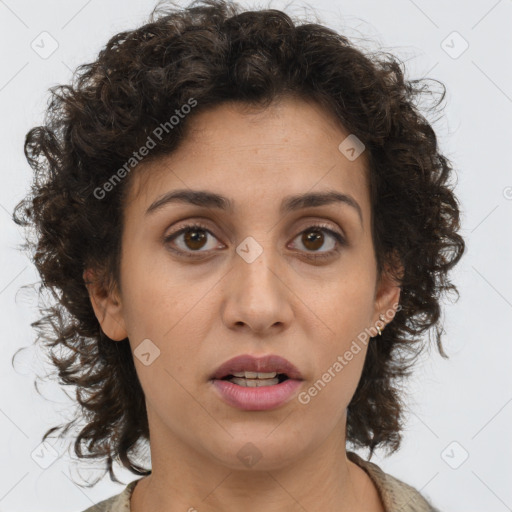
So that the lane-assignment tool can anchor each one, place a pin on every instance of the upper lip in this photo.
(264, 364)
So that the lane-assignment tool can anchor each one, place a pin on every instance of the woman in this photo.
(249, 226)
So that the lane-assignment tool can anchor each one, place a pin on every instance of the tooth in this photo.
(255, 375)
(260, 375)
(239, 381)
(266, 382)
(252, 383)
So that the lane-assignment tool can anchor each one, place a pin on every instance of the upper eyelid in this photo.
(323, 225)
(329, 224)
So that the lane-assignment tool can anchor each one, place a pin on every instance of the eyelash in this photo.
(319, 227)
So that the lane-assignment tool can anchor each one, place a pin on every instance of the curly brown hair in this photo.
(215, 51)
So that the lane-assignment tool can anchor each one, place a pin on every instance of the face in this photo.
(299, 282)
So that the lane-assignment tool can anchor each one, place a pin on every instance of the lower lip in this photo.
(256, 399)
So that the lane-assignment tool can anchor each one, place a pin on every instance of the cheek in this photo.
(163, 320)
(342, 296)
(330, 392)
(155, 304)
(167, 381)
(344, 307)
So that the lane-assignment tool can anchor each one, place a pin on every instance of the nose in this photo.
(257, 296)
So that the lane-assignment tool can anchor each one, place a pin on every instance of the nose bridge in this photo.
(256, 262)
(258, 242)
(257, 296)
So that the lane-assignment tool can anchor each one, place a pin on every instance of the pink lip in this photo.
(256, 399)
(268, 363)
(259, 398)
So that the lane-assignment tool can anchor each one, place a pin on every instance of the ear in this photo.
(107, 306)
(387, 293)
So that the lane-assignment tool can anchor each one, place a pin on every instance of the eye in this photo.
(313, 238)
(195, 238)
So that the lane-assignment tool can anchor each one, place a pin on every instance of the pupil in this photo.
(314, 237)
(194, 237)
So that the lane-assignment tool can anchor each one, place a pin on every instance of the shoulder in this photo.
(396, 494)
(118, 503)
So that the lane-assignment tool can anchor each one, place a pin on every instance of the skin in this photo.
(202, 311)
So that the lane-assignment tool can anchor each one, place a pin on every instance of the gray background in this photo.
(458, 407)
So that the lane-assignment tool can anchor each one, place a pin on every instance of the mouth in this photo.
(250, 371)
(256, 379)
(256, 384)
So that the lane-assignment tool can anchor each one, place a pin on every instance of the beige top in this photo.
(397, 496)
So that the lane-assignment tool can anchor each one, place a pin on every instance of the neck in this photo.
(189, 480)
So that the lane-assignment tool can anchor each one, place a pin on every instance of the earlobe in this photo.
(107, 307)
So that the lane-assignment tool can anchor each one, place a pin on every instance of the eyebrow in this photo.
(289, 204)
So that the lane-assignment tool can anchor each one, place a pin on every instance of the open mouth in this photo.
(255, 379)
(256, 384)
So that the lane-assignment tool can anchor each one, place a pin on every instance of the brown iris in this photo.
(195, 237)
(313, 236)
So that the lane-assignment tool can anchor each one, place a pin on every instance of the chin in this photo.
(263, 450)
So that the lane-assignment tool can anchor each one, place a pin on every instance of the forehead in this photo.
(288, 148)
